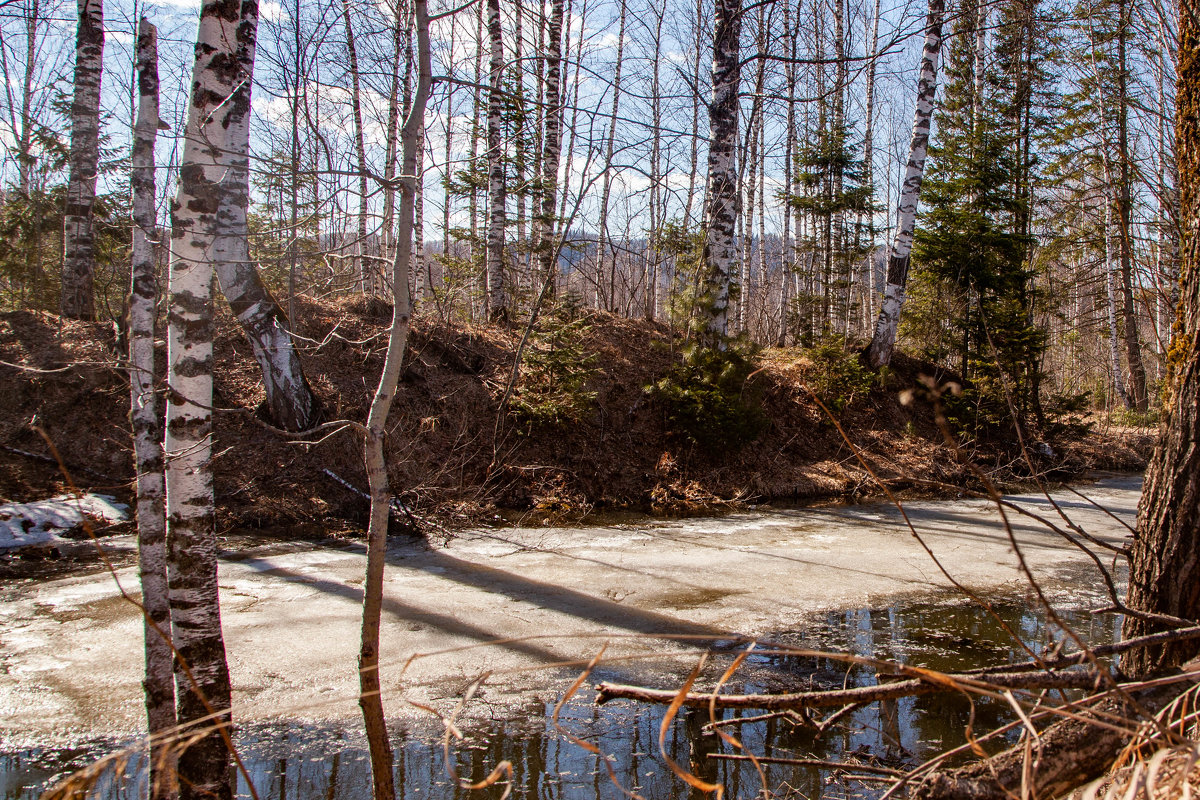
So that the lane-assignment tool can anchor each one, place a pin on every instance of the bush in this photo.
(837, 375)
(558, 368)
(707, 400)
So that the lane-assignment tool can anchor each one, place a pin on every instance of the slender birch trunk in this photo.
(360, 148)
(879, 352)
(721, 212)
(606, 184)
(869, 159)
(497, 294)
(473, 197)
(79, 256)
(147, 425)
(551, 146)
(390, 149)
(205, 234)
(370, 697)
(25, 158)
(694, 166)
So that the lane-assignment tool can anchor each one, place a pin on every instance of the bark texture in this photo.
(1165, 563)
(203, 236)
(722, 203)
(370, 698)
(552, 146)
(290, 402)
(879, 352)
(79, 255)
(497, 291)
(146, 422)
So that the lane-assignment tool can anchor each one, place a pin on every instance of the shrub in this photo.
(707, 400)
(837, 376)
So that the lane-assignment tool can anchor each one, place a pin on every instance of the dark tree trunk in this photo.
(1165, 569)
(79, 256)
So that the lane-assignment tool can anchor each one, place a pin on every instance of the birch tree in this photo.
(497, 291)
(552, 145)
(79, 257)
(879, 352)
(208, 230)
(370, 697)
(721, 202)
(144, 417)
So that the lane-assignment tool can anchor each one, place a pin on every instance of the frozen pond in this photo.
(835, 578)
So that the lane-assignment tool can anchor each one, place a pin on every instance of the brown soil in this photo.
(449, 460)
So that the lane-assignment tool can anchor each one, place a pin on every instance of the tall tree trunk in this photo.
(869, 161)
(207, 232)
(1164, 575)
(370, 697)
(79, 256)
(1133, 348)
(25, 157)
(694, 167)
(290, 402)
(360, 149)
(497, 294)
(147, 425)
(391, 147)
(879, 352)
(721, 211)
(602, 248)
(551, 145)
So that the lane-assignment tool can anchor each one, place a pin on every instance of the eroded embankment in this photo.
(450, 460)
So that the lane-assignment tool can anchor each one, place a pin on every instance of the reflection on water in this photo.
(328, 763)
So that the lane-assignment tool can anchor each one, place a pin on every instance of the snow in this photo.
(25, 524)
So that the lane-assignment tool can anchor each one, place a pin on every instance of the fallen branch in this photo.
(1074, 679)
(810, 762)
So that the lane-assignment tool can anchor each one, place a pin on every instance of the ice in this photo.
(40, 522)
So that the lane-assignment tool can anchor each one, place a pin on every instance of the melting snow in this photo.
(24, 524)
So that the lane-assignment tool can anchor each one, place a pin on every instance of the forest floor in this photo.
(451, 462)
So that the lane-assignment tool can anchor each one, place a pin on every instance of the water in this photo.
(321, 762)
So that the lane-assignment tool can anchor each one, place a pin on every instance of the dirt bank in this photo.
(450, 459)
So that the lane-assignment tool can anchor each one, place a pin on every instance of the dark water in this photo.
(326, 763)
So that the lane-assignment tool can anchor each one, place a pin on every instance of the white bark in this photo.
(79, 257)
(721, 211)
(879, 353)
(497, 294)
(208, 218)
(146, 422)
(551, 146)
(370, 698)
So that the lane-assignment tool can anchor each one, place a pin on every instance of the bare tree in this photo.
(721, 209)
(147, 424)
(79, 257)
(879, 352)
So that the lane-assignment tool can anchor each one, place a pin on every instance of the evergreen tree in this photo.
(973, 287)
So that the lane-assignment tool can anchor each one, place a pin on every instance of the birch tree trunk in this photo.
(869, 159)
(290, 402)
(212, 166)
(694, 166)
(79, 256)
(606, 184)
(551, 147)
(370, 697)
(721, 202)
(1164, 574)
(879, 352)
(146, 423)
(360, 148)
(389, 158)
(497, 294)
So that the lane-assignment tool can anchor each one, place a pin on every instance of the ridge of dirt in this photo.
(448, 459)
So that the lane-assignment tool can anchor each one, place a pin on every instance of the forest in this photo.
(408, 282)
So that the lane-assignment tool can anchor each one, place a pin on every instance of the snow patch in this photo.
(25, 524)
